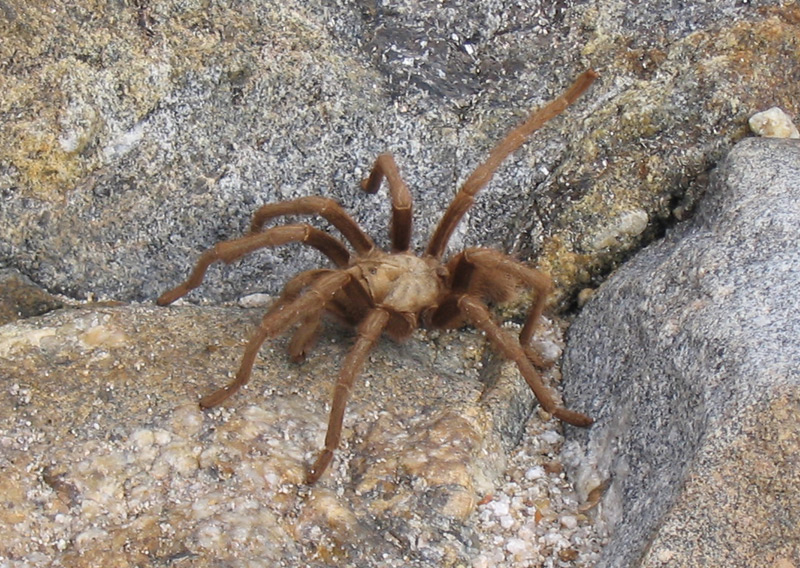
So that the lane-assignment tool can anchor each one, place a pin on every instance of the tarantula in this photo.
(392, 292)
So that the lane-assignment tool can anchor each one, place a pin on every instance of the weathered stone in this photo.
(20, 298)
(687, 357)
(773, 123)
(108, 460)
(136, 135)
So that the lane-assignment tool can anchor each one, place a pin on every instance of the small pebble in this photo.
(516, 546)
(500, 508)
(550, 437)
(664, 555)
(535, 472)
(255, 300)
(568, 521)
(773, 123)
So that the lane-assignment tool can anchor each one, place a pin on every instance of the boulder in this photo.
(687, 357)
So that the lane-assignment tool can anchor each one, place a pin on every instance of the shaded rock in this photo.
(107, 459)
(687, 357)
(140, 134)
(20, 298)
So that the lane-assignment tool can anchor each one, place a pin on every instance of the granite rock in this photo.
(138, 134)
(687, 357)
(773, 123)
(107, 460)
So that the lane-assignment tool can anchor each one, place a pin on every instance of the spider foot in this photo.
(572, 417)
(170, 296)
(319, 467)
(218, 396)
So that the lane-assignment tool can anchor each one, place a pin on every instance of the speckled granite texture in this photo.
(107, 460)
(688, 359)
(136, 135)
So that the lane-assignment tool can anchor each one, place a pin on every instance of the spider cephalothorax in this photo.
(392, 292)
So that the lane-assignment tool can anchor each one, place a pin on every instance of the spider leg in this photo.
(369, 331)
(483, 173)
(400, 228)
(315, 205)
(349, 308)
(306, 334)
(234, 249)
(478, 315)
(491, 274)
(274, 322)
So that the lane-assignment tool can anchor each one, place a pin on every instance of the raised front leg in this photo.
(483, 173)
(400, 228)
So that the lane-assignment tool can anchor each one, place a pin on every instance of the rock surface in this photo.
(773, 123)
(687, 357)
(107, 459)
(20, 298)
(137, 135)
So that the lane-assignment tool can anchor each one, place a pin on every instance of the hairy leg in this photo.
(276, 321)
(315, 205)
(400, 228)
(306, 334)
(369, 331)
(488, 273)
(478, 315)
(234, 249)
(483, 173)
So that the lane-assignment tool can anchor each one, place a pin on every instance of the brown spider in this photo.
(396, 291)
